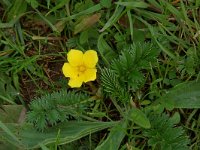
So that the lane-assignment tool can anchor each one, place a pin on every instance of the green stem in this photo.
(118, 107)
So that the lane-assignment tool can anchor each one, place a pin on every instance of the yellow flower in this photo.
(80, 67)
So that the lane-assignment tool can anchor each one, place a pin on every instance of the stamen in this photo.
(82, 68)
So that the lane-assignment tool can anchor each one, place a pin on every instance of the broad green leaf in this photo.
(18, 8)
(115, 137)
(10, 113)
(184, 95)
(68, 132)
(8, 132)
(139, 118)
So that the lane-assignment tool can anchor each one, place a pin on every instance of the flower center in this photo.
(81, 68)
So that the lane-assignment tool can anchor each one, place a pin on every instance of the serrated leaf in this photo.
(164, 133)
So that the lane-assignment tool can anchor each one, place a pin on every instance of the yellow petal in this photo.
(69, 71)
(75, 57)
(90, 58)
(90, 75)
(75, 82)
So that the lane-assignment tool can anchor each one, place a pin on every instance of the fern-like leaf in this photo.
(132, 62)
(164, 135)
(53, 108)
(111, 85)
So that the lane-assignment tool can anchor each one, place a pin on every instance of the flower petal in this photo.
(90, 75)
(90, 58)
(69, 71)
(75, 57)
(75, 82)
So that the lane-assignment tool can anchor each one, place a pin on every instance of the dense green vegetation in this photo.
(147, 90)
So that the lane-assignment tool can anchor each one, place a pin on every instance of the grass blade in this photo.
(137, 4)
(116, 15)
